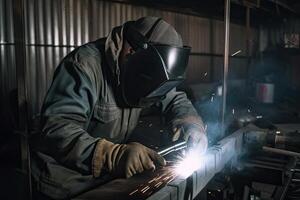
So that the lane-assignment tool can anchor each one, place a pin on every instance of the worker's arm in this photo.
(66, 109)
(65, 114)
(182, 117)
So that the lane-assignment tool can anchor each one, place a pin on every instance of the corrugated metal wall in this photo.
(7, 62)
(55, 27)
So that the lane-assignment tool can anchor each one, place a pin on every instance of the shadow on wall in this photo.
(12, 177)
(9, 123)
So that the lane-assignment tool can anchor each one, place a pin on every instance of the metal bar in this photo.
(291, 164)
(20, 52)
(226, 61)
(248, 32)
(286, 186)
(295, 180)
(246, 192)
(295, 170)
(281, 151)
(262, 166)
(266, 163)
(269, 159)
(212, 50)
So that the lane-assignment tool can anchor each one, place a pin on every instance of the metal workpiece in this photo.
(214, 161)
(166, 193)
(184, 187)
(165, 184)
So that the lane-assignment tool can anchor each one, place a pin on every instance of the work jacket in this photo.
(80, 109)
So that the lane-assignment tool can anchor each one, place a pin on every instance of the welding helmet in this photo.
(152, 71)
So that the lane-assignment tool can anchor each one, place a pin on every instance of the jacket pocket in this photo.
(105, 112)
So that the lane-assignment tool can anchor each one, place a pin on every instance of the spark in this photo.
(151, 180)
(133, 192)
(169, 181)
(190, 163)
(233, 111)
(239, 51)
(158, 184)
(145, 189)
(154, 184)
(258, 117)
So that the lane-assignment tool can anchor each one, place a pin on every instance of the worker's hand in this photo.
(196, 140)
(194, 135)
(125, 160)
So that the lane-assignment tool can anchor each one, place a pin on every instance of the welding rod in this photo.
(171, 148)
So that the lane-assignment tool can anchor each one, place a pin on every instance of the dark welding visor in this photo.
(151, 72)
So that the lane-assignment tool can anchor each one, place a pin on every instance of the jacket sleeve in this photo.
(65, 113)
(179, 111)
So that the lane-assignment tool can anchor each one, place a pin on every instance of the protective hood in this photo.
(113, 47)
(156, 67)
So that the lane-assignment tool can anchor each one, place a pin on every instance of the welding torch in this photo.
(182, 142)
(174, 147)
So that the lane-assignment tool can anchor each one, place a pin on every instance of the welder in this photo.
(94, 103)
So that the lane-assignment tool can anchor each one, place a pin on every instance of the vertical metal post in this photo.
(226, 61)
(248, 53)
(20, 53)
(248, 32)
(212, 50)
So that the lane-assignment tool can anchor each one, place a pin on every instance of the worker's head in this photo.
(152, 61)
(150, 29)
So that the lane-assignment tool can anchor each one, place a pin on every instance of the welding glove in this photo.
(196, 138)
(192, 132)
(124, 160)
